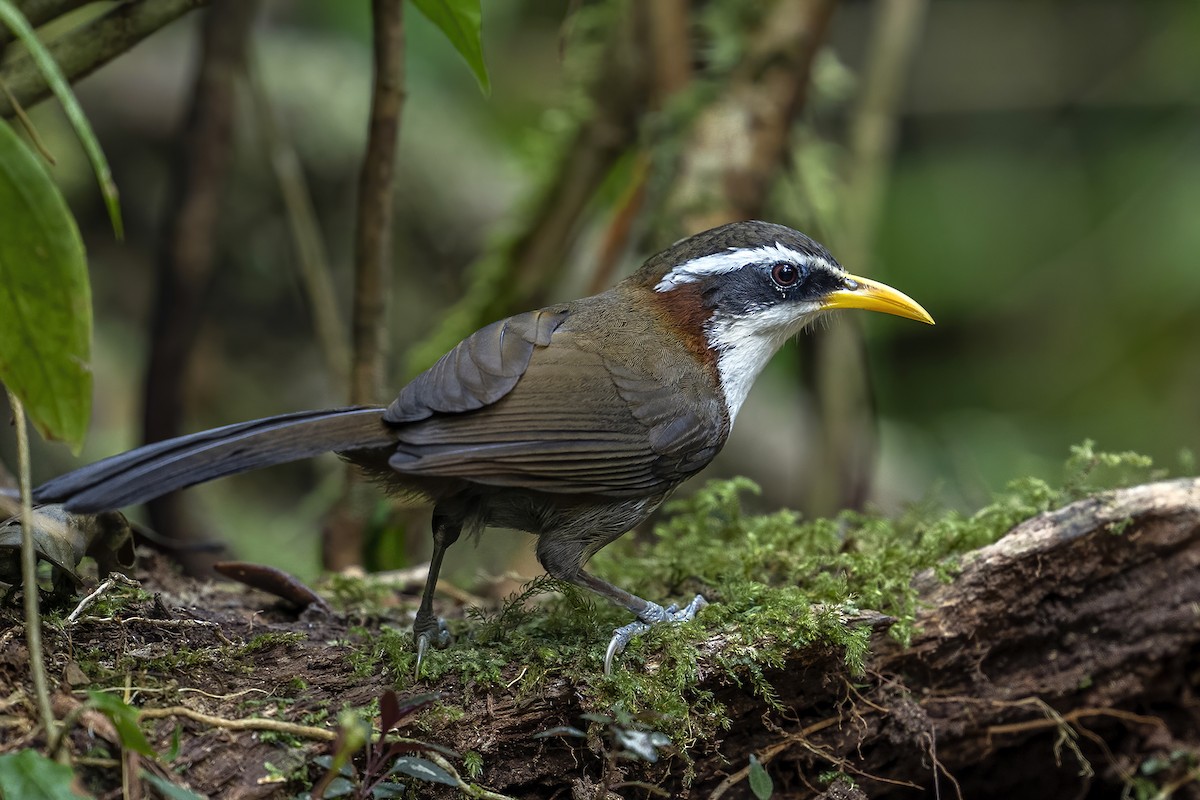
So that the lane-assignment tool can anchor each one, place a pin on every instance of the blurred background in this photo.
(1028, 171)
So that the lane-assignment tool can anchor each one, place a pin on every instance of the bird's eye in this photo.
(785, 274)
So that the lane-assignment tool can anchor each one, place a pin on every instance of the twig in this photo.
(342, 536)
(372, 236)
(416, 576)
(185, 689)
(112, 580)
(469, 789)
(84, 49)
(35, 138)
(247, 724)
(1169, 788)
(767, 753)
(1056, 719)
(33, 619)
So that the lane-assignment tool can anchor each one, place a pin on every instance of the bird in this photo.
(573, 422)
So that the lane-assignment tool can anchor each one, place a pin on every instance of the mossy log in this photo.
(1061, 661)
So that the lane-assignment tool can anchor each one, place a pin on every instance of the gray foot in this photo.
(654, 615)
(430, 632)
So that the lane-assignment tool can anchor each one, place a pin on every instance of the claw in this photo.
(422, 648)
(437, 635)
(653, 615)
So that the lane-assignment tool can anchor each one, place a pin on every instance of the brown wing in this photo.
(480, 370)
(574, 422)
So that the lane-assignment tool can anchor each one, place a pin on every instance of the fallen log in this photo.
(1061, 661)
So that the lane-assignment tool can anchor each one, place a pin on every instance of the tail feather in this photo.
(154, 470)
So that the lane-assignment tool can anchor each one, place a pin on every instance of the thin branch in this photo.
(342, 537)
(247, 724)
(469, 789)
(90, 599)
(30, 129)
(372, 238)
(84, 49)
(33, 619)
(768, 753)
(668, 28)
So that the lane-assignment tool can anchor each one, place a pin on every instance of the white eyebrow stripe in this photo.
(727, 261)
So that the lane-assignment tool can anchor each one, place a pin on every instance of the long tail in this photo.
(153, 470)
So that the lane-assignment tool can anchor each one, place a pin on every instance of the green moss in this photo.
(776, 583)
(266, 640)
(386, 649)
(357, 595)
(473, 764)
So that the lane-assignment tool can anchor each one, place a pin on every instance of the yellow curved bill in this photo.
(875, 296)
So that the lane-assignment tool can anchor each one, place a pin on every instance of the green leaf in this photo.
(169, 790)
(11, 16)
(462, 23)
(29, 775)
(45, 298)
(125, 719)
(422, 769)
(760, 782)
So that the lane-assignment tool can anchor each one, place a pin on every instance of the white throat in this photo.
(746, 343)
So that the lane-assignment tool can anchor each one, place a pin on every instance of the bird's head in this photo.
(738, 292)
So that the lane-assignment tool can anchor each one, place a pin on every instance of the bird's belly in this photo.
(594, 518)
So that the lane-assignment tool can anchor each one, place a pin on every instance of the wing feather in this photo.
(532, 402)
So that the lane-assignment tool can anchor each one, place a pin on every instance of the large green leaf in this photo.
(462, 22)
(45, 298)
(29, 775)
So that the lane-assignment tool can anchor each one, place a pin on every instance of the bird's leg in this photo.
(566, 564)
(647, 612)
(428, 629)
